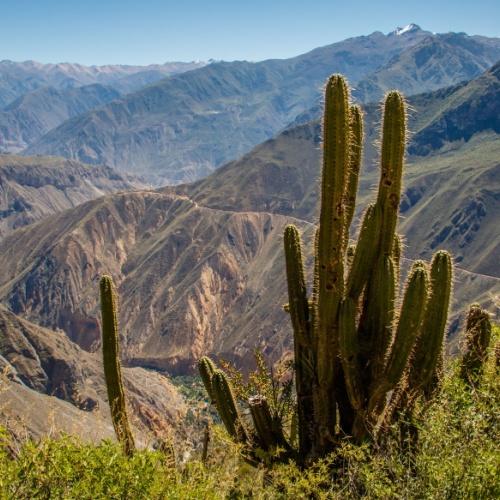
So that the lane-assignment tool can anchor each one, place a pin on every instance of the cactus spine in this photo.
(112, 368)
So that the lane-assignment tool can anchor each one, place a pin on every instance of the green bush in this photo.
(458, 456)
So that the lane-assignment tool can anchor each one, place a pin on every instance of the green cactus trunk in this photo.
(112, 368)
(426, 357)
(268, 429)
(332, 235)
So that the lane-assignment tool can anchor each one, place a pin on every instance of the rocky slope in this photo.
(32, 115)
(33, 187)
(200, 267)
(457, 177)
(46, 371)
(182, 128)
(471, 108)
(189, 276)
(192, 279)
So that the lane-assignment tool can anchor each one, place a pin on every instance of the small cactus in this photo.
(206, 367)
(477, 341)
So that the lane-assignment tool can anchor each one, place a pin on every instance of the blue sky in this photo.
(143, 32)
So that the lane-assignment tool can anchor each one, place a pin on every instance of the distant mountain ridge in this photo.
(183, 127)
(35, 113)
(437, 62)
(473, 107)
(18, 78)
(31, 188)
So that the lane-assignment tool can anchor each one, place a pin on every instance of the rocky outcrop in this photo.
(191, 279)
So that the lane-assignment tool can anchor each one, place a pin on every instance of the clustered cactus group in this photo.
(363, 351)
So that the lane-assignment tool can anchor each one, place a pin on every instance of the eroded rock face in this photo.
(192, 280)
(47, 362)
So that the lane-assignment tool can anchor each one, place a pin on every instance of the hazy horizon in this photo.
(112, 32)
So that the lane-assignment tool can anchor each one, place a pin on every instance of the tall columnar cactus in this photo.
(112, 368)
(356, 342)
(477, 340)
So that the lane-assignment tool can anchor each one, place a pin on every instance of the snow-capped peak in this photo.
(407, 29)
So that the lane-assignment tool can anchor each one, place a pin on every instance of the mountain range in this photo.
(35, 113)
(19, 78)
(199, 265)
(183, 127)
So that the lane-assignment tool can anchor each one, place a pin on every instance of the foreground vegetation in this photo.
(458, 456)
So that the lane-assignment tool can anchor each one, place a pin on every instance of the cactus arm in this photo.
(364, 253)
(380, 312)
(348, 346)
(477, 340)
(206, 368)
(299, 309)
(408, 327)
(356, 151)
(429, 345)
(381, 291)
(227, 406)
(392, 160)
(410, 321)
(297, 292)
(112, 367)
